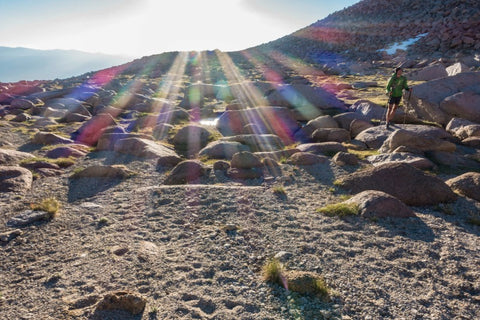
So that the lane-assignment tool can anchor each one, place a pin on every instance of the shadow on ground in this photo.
(88, 187)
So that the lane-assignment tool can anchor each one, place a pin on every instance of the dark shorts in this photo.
(394, 100)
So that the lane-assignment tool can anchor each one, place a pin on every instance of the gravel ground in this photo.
(196, 251)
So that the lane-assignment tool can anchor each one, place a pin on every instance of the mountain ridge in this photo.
(35, 64)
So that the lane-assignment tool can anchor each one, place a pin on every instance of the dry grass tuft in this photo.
(341, 209)
(272, 271)
(49, 205)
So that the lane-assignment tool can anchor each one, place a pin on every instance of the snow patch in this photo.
(403, 45)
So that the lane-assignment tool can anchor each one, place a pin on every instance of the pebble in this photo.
(27, 217)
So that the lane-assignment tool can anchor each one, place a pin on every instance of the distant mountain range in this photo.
(31, 64)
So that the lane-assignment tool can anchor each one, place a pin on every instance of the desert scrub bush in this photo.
(49, 205)
(363, 154)
(446, 208)
(279, 190)
(61, 162)
(272, 271)
(103, 221)
(345, 197)
(341, 209)
(207, 160)
(338, 183)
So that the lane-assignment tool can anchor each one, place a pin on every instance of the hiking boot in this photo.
(387, 126)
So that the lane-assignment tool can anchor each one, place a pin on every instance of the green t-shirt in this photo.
(396, 85)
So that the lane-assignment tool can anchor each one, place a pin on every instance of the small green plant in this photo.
(64, 162)
(103, 221)
(279, 190)
(272, 271)
(445, 208)
(77, 170)
(345, 197)
(283, 160)
(49, 205)
(321, 287)
(474, 220)
(341, 209)
(338, 183)
(61, 162)
(363, 154)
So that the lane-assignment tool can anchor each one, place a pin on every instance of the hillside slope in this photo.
(451, 27)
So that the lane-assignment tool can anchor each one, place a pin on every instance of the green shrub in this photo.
(272, 271)
(279, 190)
(341, 209)
(49, 205)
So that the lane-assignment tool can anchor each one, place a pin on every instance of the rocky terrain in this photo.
(162, 188)
(447, 29)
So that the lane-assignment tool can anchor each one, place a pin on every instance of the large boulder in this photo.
(331, 134)
(15, 179)
(415, 141)
(464, 105)
(98, 171)
(187, 172)
(463, 129)
(323, 148)
(142, 148)
(308, 102)
(191, 139)
(307, 159)
(457, 68)
(369, 109)
(435, 71)
(320, 122)
(427, 97)
(90, 131)
(357, 126)
(223, 149)
(453, 160)
(276, 120)
(373, 203)
(277, 155)
(414, 160)
(403, 181)
(373, 137)
(22, 103)
(108, 139)
(77, 150)
(345, 159)
(13, 157)
(245, 160)
(48, 138)
(467, 184)
(258, 142)
(345, 119)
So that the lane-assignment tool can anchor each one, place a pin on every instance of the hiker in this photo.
(395, 87)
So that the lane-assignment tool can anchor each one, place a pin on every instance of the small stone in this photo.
(10, 235)
(122, 300)
(283, 256)
(27, 217)
(230, 227)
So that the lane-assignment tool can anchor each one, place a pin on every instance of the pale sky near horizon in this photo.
(143, 27)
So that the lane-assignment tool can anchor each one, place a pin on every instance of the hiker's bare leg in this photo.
(391, 112)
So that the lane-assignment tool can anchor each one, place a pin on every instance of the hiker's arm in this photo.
(389, 86)
(406, 86)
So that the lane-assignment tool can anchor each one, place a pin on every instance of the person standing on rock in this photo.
(395, 87)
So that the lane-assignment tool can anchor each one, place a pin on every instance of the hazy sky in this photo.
(144, 27)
